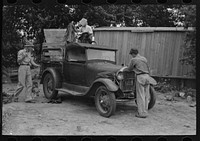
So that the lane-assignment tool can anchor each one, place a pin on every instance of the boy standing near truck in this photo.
(25, 60)
(139, 65)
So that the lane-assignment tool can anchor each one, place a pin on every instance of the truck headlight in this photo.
(120, 76)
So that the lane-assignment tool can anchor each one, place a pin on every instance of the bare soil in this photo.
(78, 116)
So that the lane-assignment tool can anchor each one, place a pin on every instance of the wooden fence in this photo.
(162, 46)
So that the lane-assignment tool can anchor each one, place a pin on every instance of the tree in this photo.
(29, 21)
(155, 15)
(10, 35)
(189, 54)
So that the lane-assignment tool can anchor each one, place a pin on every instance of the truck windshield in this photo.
(94, 54)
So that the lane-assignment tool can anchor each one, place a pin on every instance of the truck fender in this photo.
(56, 75)
(110, 85)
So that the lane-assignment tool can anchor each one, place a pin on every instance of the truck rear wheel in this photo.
(49, 85)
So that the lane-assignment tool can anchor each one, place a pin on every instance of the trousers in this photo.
(24, 82)
(142, 94)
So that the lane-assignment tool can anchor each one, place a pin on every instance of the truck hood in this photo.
(103, 68)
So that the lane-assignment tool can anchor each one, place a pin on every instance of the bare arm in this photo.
(33, 63)
(131, 65)
(20, 57)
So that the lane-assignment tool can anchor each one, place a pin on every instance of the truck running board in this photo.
(70, 92)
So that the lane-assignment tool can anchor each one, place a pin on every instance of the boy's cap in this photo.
(133, 51)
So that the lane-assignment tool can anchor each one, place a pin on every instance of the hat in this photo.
(29, 44)
(83, 22)
(133, 51)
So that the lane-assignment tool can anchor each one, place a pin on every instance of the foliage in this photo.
(189, 92)
(33, 19)
(155, 16)
(133, 15)
(189, 54)
(165, 86)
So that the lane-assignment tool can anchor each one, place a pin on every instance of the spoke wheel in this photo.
(105, 102)
(49, 87)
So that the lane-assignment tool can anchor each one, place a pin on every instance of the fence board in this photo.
(162, 47)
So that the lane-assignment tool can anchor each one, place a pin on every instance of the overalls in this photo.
(143, 81)
(24, 76)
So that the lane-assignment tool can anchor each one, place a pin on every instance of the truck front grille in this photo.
(128, 83)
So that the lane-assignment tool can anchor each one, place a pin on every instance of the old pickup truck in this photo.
(83, 69)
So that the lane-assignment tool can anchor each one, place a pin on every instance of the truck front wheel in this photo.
(105, 101)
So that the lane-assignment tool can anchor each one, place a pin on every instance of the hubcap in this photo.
(104, 101)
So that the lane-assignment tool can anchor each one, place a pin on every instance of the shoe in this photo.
(141, 116)
(30, 101)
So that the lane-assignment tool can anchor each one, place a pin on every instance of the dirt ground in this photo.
(78, 116)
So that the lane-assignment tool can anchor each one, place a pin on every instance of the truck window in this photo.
(76, 55)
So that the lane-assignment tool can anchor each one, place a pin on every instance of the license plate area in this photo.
(129, 82)
(127, 85)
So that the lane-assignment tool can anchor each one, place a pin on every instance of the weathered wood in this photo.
(54, 35)
(143, 29)
(162, 47)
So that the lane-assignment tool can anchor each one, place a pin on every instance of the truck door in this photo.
(74, 66)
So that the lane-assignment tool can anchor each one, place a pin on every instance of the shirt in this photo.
(24, 56)
(138, 65)
(70, 33)
(87, 28)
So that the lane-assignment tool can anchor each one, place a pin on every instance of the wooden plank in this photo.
(157, 54)
(180, 55)
(143, 29)
(149, 52)
(170, 42)
(163, 53)
(143, 43)
(176, 57)
(116, 43)
(124, 48)
(166, 54)
(172, 51)
(156, 43)
(123, 45)
(131, 44)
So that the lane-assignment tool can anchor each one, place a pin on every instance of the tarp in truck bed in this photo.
(54, 35)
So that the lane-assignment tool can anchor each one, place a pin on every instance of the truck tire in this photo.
(49, 85)
(105, 101)
(152, 97)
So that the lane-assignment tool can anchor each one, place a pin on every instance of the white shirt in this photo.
(87, 28)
